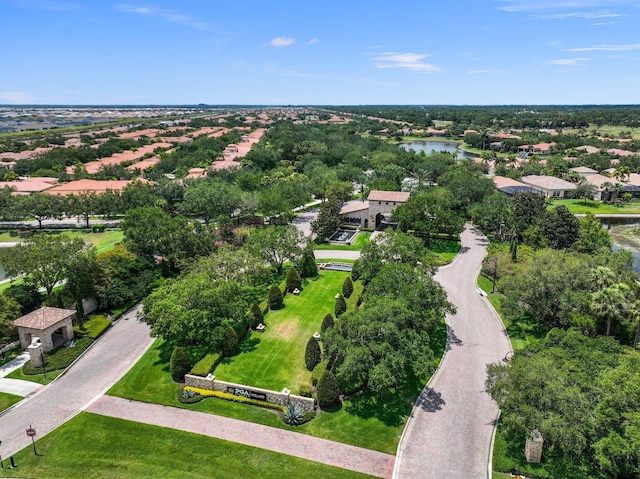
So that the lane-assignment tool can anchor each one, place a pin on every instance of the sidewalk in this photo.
(15, 363)
(278, 440)
(18, 387)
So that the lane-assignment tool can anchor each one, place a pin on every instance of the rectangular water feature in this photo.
(342, 236)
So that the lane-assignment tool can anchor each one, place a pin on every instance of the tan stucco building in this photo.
(53, 326)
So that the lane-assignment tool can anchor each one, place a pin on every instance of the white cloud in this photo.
(478, 72)
(408, 61)
(607, 48)
(572, 62)
(534, 5)
(581, 15)
(282, 42)
(313, 41)
(167, 15)
(16, 97)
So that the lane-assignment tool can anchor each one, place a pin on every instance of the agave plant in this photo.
(293, 414)
(188, 393)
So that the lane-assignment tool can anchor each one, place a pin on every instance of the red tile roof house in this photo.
(510, 186)
(29, 185)
(543, 147)
(378, 208)
(597, 180)
(617, 152)
(549, 186)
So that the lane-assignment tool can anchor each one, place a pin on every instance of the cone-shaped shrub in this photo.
(347, 287)
(256, 315)
(327, 391)
(312, 353)
(355, 270)
(179, 364)
(230, 343)
(327, 323)
(341, 306)
(275, 297)
(308, 267)
(294, 281)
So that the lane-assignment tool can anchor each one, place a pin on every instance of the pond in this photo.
(438, 145)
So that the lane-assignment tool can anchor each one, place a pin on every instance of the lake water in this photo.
(438, 145)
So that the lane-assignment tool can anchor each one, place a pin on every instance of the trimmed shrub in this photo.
(230, 343)
(308, 416)
(207, 364)
(275, 297)
(312, 355)
(256, 316)
(92, 327)
(294, 281)
(327, 391)
(341, 306)
(179, 364)
(308, 267)
(355, 270)
(305, 390)
(317, 371)
(347, 287)
(327, 323)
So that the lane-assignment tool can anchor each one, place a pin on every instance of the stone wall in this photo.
(281, 398)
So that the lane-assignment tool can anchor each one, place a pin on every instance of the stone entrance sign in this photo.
(533, 447)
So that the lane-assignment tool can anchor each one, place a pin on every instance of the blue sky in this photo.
(320, 52)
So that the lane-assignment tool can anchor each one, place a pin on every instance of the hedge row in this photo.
(234, 398)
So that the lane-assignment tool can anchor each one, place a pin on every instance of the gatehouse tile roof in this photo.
(397, 196)
(43, 318)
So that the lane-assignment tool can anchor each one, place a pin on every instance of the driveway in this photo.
(95, 372)
(450, 431)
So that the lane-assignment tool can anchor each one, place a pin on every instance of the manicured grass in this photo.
(93, 326)
(8, 400)
(35, 378)
(274, 359)
(521, 332)
(446, 250)
(102, 241)
(10, 355)
(362, 421)
(578, 206)
(360, 242)
(102, 447)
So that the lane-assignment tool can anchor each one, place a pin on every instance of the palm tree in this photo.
(611, 303)
(622, 173)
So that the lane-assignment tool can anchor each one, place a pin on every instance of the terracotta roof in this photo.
(583, 170)
(29, 185)
(353, 207)
(43, 318)
(397, 196)
(548, 182)
(99, 186)
(588, 149)
(618, 152)
(503, 182)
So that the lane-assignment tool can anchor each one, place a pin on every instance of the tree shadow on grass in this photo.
(390, 410)
(249, 344)
(165, 350)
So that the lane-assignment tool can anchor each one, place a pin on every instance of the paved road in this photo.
(279, 440)
(103, 365)
(449, 434)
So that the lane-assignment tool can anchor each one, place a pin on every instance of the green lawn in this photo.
(362, 421)
(578, 206)
(446, 250)
(361, 240)
(274, 359)
(35, 378)
(102, 447)
(521, 332)
(102, 241)
(8, 400)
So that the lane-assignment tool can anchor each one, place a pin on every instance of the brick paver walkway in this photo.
(278, 440)
(449, 433)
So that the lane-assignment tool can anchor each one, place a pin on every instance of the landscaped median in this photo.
(275, 360)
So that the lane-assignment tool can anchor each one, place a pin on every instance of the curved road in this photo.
(449, 433)
(95, 372)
